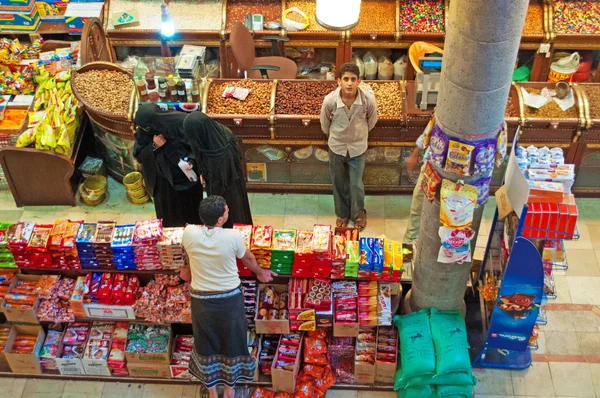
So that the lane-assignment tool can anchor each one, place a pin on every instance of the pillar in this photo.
(482, 42)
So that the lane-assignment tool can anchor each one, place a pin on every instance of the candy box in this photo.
(23, 21)
(285, 380)
(22, 315)
(15, 5)
(143, 370)
(386, 369)
(4, 333)
(274, 326)
(78, 13)
(159, 361)
(24, 363)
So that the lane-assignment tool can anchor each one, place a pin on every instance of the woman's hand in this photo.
(159, 140)
(202, 180)
(185, 274)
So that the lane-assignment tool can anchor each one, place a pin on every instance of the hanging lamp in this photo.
(338, 14)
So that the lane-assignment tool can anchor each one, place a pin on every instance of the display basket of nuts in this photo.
(108, 95)
(251, 117)
(590, 96)
(550, 120)
(391, 110)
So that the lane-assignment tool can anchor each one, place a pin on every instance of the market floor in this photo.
(567, 363)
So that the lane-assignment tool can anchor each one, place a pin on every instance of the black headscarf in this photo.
(167, 123)
(218, 149)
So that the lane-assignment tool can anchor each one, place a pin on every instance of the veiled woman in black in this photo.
(160, 143)
(219, 162)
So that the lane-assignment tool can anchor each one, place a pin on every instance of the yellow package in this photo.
(457, 204)
(26, 138)
(458, 160)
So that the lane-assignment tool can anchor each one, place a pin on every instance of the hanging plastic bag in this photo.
(457, 204)
(385, 69)
(370, 66)
(456, 245)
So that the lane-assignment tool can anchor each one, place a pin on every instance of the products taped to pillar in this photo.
(459, 156)
(457, 204)
(456, 245)
(431, 181)
(483, 189)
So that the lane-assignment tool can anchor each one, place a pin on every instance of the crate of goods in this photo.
(50, 351)
(392, 261)
(116, 356)
(62, 246)
(16, 5)
(170, 248)
(286, 364)
(268, 349)
(22, 347)
(8, 278)
(77, 14)
(367, 304)
(148, 351)
(182, 352)
(95, 357)
(52, 10)
(101, 244)
(386, 360)
(282, 252)
(71, 354)
(246, 232)
(364, 361)
(145, 244)
(111, 296)
(4, 333)
(21, 302)
(262, 240)
(85, 247)
(272, 314)
(303, 255)
(345, 301)
(301, 316)
(339, 253)
(322, 263)
(122, 247)
(250, 292)
(25, 20)
(7, 259)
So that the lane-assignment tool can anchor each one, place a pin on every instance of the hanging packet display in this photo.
(430, 182)
(456, 245)
(438, 146)
(483, 190)
(459, 156)
(485, 156)
(502, 144)
(457, 203)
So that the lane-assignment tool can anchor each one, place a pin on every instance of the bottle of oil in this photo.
(195, 91)
(142, 90)
(181, 91)
(172, 89)
(162, 88)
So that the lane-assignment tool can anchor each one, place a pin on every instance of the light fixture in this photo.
(338, 14)
(167, 27)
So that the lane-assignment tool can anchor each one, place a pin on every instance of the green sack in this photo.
(454, 378)
(417, 392)
(455, 391)
(521, 74)
(416, 344)
(450, 339)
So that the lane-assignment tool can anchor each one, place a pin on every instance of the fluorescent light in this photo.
(167, 27)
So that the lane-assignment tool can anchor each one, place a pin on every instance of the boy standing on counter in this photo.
(347, 115)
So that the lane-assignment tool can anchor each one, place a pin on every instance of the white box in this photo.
(112, 312)
(96, 367)
(70, 367)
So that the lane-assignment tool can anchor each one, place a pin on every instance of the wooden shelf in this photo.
(72, 272)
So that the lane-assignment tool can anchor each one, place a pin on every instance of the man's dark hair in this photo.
(349, 67)
(211, 209)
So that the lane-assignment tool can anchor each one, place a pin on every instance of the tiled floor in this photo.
(566, 365)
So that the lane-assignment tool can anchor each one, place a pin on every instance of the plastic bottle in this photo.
(142, 90)
(195, 91)
(181, 91)
(162, 88)
(172, 89)
(184, 166)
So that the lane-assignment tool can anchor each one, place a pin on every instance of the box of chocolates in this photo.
(272, 310)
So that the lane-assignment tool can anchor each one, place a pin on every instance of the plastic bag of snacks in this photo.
(385, 68)
(263, 393)
(370, 66)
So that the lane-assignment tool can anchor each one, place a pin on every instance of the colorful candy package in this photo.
(438, 146)
(431, 181)
(457, 204)
(459, 156)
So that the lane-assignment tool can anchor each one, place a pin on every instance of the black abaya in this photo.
(176, 199)
(219, 160)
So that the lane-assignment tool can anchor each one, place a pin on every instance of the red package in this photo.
(314, 347)
(105, 290)
(303, 377)
(263, 393)
(313, 371)
(284, 395)
(328, 380)
(131, 290)
(320, 360)
(305, 389)
(118, 290)
(318, 334)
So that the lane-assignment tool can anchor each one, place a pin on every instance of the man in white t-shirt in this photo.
(220, 355)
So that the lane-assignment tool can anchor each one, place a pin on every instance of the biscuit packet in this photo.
(459, 156)
(457, 204)
(430, 182)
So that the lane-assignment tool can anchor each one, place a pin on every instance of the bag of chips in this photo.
(263, 393)
(457, 204)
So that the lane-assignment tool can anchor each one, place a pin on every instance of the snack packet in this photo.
(485, 155)
(457, 204)
(430, 182)
(456, 245)
(501, 145)
(459, 158)
(438, 146)
(239, 93)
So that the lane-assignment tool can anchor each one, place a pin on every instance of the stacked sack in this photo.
(435, 351)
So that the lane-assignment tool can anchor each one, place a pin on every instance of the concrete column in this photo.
(482, 42)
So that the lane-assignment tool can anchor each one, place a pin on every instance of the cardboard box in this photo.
(51, 10)
(96, 367)
(364, 373)
(273, 326)
(385, 372)
(77, 14)
(7, 6)
(345, 329)
(4, 366)
(151, 358)
(284, 380)
(151, 370)
(23, 315)
(24, 21)
(25, 363)
(70, 367)
(109, 312)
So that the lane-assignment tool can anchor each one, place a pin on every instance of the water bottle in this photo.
(184, 166)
